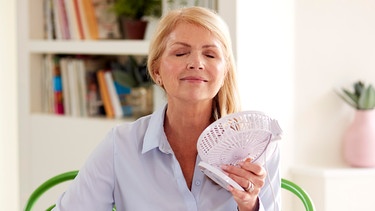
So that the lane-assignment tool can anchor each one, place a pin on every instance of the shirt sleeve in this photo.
(270, 196)
(92, 189)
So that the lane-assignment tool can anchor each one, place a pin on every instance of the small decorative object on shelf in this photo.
(359, 138)
(131, 14)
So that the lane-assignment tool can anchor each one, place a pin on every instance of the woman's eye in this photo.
(210, 54)
(180, 54)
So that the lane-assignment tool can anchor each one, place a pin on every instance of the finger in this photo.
(250, 187)
(239, 173)
(253, 168)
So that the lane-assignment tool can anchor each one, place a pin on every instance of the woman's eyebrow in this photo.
(181, 43)
(210, 46)
(187, 45)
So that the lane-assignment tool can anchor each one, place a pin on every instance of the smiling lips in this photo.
(194, 79)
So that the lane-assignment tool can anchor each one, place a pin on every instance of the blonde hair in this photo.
(227, 100)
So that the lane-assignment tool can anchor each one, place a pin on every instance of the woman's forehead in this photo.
(188, 33)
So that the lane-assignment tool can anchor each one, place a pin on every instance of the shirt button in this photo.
(197, 183)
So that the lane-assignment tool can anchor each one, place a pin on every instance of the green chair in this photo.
(285, 184)
(298, 191)
(70, 175)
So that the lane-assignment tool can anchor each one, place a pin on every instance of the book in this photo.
(49, 27)
(63, 62)
(104, 94)
(114, 97)
(56, 19)
(82, 87)
(92, 64)
(72, 19)
(78, 16)
(93, 100)
(57, 88)
(63, 19)
(47, 84)
(92, 24)
(83, 19)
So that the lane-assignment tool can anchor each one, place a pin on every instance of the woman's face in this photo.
(192, 67)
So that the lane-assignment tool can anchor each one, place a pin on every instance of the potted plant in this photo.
(362, 98)
(131, 14)
(359, 138)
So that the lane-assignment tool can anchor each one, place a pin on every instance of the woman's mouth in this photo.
(193, 78)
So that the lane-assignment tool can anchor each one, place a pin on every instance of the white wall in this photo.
(265, 59)
(292, 55)
(9, 187)
(335, 46)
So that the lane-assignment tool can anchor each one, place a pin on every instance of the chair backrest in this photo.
(298, 191)
(70, 175)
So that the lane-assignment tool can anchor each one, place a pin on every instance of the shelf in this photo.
(332, 172)
(68, 120)
(100, 47)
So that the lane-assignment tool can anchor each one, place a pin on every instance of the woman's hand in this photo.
(251, 177)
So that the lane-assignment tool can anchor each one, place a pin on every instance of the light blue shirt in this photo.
(135, 168)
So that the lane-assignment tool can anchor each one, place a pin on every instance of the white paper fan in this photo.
(233, 139)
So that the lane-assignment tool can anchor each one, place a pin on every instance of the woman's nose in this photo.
(195, 62)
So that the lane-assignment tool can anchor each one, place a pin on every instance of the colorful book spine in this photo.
(64, 23)
(104, 94)
(115, 101)
(63, 62)
(72, 19)
(91, 19)
(58, 91)
(78, 16)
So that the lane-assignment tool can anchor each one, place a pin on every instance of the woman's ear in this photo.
(157, 77)
(159, 81)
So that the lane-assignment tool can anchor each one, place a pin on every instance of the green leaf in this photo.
(358, 88)
(367, 99)
(136, 9)
(349, 98)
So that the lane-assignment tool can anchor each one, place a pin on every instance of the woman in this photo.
(151, 164)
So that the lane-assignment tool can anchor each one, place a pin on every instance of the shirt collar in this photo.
(155, 136)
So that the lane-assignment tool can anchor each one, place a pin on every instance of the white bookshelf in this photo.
(50, 144)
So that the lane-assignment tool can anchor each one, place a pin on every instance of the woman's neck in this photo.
(187, 119)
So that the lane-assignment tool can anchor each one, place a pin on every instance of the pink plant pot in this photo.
(359, 140)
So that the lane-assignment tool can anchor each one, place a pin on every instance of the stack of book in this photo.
(82, 86)
(80, 19)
